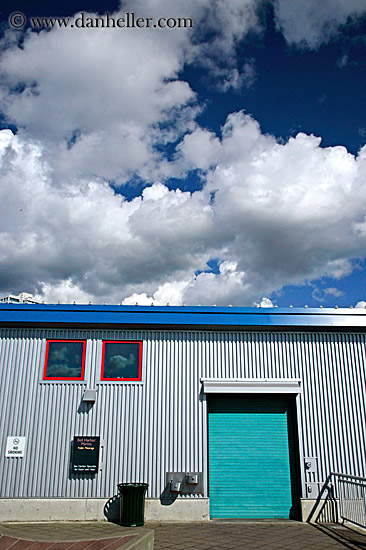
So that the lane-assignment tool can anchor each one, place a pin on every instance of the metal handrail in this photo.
(338, 474)
(352, 498)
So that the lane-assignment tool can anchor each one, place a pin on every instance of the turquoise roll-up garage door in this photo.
(252, 457)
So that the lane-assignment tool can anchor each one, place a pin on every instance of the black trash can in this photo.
(132, 503)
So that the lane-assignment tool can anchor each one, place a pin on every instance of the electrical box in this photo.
(175, 486)
(311, 464)
(312, 490)
(184, 483)
(192, 478)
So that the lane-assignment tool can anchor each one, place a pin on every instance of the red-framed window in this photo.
(65, 360)
(121, 361)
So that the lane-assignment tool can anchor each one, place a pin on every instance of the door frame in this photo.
(254, 386)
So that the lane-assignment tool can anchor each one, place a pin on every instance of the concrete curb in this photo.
(144, 541)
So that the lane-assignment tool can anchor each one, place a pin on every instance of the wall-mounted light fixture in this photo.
(90, 396)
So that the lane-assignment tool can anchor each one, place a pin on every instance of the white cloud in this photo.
(200, 149)
(64, 292)
(87, 80)
(271, 214)
(206, 288)
(361, 304)
(312, 22)
(94, 97)
(292, 207)
(229, 286)
(97, 105)
(265, 302)
(166, 294)
(89, 235)
(339, 268)
(321, 294)
(139, 300)
(101, 100)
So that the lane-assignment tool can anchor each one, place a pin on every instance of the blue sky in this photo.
(219, 164)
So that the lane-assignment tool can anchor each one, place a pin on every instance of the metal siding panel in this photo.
(160, 425)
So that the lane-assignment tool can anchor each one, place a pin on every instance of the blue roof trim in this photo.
(184, 316)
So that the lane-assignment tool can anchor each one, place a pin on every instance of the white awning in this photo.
(251, 385)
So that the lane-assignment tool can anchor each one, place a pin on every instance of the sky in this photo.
(217, 162)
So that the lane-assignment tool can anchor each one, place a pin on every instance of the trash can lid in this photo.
(133, 485)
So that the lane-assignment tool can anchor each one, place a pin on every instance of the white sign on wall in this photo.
(15, 446)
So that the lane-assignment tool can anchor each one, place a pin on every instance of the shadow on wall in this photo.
(166, 497)
(112, 509)
(325, 509)
(84, 407)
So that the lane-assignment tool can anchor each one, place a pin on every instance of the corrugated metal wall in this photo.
(160, 425)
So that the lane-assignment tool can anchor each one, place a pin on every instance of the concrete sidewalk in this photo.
(264, 535)
(225, 535)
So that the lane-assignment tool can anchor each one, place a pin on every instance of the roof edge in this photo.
(178, 316)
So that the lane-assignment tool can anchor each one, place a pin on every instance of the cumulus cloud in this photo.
(270, 213)
(312, 22)
(229, 286)
(265, 302)
(92, 96)
(200, 149)
(166, 294)
(89, 242)
(104, 100)
(206, 288)
(64, 291)
(98, 106)
(292, 205)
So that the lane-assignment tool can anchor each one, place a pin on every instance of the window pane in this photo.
(122, 360)
(65, 360)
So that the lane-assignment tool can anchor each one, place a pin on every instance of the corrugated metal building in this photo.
(257, 405)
